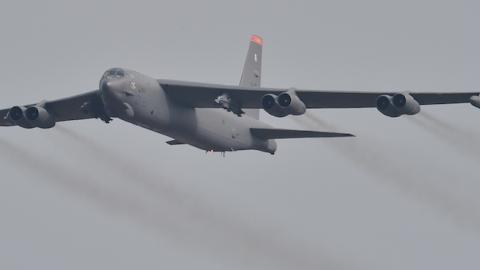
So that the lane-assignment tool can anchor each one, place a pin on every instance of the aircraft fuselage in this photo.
(140, 100)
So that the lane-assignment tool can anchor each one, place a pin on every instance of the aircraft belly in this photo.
(218, 131)
(207, 129)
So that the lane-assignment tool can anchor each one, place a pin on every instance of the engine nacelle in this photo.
(397, 105)
(271, 106)
(16, 116)
(36, 116)
(290, 102)
(39, 117)
(287, 103)
(385, 106)
(406, 104)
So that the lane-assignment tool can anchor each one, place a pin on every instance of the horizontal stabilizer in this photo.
(175, 142)
(273, 133)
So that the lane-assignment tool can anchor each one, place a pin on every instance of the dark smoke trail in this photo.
(151, 182)
(437, 121)
(217, 227)
(319, 122)
(75, 182)
(247, 244)
(463, 141)
(370, 156)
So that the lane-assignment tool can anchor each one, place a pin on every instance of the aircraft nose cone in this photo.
(106, 86)
(111, 89)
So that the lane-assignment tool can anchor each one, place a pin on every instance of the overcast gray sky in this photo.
(402, 195)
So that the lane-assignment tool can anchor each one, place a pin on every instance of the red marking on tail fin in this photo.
(257, 39)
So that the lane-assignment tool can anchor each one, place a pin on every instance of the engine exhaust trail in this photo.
(150, 182)
(243, 244)
(370, 156)
(69, 180)
(438, 122)
(463, 141)
(319, 122)
(196, 217)
(158, 188)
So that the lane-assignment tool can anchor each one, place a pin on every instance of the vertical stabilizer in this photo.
(252, 70)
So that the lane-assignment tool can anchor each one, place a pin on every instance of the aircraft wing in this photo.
(83, 106)
(200, 95)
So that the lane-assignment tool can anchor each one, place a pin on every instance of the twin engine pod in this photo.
(397, 105)
(31, 117)
(287, 103)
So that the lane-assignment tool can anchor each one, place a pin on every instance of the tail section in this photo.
(252, 70)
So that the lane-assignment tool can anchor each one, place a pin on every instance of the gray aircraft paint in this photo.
(208, 129)
(223, 123)
(252, 70)
(214, 117)
(60, 48)
(140, 100)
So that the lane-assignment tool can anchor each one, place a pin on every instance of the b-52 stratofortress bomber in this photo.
(215, 117)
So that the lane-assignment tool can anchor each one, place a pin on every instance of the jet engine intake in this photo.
(287, 103)
(31, 117)
(39, 117)
(397, 105)
(406, 104)
(290, 102)
(16, 114)
(271, 106)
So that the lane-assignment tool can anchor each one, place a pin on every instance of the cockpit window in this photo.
(115, 73)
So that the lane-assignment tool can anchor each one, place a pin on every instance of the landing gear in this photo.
(223, 154)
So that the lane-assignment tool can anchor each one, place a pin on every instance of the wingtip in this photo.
(256, 39)
(346, 135)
